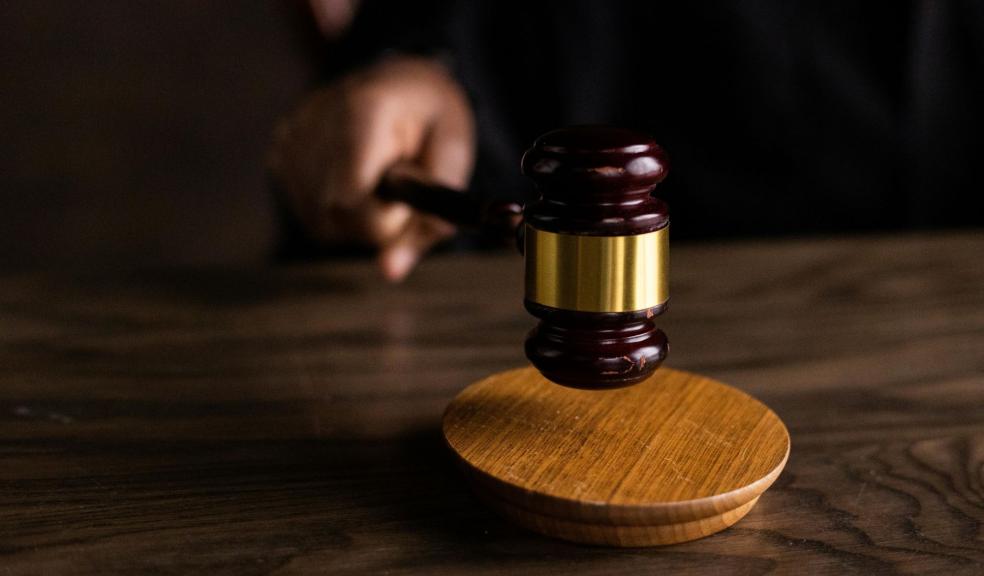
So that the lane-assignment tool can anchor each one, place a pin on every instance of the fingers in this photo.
(370, 146)
(448, 151)
(382, 222)
(400, 256)
(331, 154)
(443, 146)
(373, 223)
(419, 114)
(446, 157)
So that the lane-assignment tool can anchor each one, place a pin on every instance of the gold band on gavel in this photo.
(597, 273)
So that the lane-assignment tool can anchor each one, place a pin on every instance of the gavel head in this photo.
(596, 243)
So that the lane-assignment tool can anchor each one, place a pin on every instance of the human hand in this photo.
(330, 154)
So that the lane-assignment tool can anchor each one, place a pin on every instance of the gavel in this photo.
(596, 244)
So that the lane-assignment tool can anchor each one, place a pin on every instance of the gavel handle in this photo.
(405, 183)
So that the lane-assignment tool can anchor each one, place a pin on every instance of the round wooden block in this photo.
(672, 459)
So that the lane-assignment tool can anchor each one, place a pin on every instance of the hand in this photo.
(331, 153)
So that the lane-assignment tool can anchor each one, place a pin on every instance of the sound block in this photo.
(674, 458)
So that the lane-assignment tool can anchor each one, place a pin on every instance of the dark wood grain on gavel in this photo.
(595, 181)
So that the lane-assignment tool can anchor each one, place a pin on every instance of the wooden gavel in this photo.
(596, 244)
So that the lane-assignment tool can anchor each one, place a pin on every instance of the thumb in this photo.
(399, 257)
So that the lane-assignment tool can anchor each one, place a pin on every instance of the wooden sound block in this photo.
(674, 458)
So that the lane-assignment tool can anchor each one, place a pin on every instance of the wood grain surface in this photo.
(674, 458)
(287, 421)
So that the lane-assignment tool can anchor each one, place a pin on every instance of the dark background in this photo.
(136, 131)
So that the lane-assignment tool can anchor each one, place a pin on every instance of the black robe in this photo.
(779, 117)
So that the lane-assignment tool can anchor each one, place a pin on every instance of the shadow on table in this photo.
(391, 504)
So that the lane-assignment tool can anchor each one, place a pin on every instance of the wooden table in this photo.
(285, 421)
